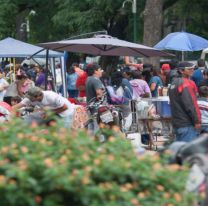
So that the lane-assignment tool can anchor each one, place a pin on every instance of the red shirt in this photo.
(81, 83)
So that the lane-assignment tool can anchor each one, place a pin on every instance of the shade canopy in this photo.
(182, 41)
(10, 47)
(104, 45)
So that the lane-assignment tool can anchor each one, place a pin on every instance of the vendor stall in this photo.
(153, 116)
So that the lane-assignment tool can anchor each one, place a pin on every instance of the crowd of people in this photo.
(187, 86)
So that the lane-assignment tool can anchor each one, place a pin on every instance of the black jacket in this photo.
(183, 102)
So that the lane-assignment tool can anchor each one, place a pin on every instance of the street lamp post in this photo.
(25, 26)
(134, 12)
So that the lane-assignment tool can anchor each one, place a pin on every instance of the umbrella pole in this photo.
(14, 63)
(46, 71)
(182, 56)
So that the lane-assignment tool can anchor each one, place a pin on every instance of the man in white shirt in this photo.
(3, 85)
(49, 100)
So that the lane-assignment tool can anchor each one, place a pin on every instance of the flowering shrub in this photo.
(58, 167)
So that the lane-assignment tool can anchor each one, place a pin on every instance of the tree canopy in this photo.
(57, 19)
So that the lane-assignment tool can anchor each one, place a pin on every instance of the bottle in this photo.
(165, 91)
(159, 91)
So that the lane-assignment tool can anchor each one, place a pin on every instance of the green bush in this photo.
(58, 167)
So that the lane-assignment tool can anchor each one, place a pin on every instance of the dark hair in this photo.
(155, 71)
(116, 79)
(205, 72)
(147, 75)
(75, 64)
(201, 63)
(71, 70)
(16, 99)
(136, 74)
(91, 68)
(203, 91)
(22, 75)
(147, 66)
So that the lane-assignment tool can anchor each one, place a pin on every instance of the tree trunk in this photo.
(153, 20)
(21, 26)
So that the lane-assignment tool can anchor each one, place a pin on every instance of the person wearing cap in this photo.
(94, 86)
(186, 117)
(48, 100)
(164, 74)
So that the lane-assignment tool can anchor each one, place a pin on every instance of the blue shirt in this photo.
(71, 81)
(128, 91)
(197, 76)
(158, 83)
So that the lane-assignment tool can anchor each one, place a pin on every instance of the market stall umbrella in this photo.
(104, 45)
(10, 47)
(182, 41)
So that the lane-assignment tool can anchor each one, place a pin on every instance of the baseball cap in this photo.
(165, 67)
(93, 66)
(185, 65)
(33, 92)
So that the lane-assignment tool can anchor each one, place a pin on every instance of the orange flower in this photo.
(24, 149)
(85, 156)
(85, 180)
(75, 172)
(4, 149)
(14, 145)
(87, 168)
(124, 189)
(68, 152)
(34, 139)
(134, 201)
(166, 195)
(22, 164)
(48, 162)
(173, 167)
(128, 186)
(97, 161)
(101, 125)
(34, 124)
(177, 197)
(111, 139)
(116, 129)
(157, 166)
(160, 188)
(20, 135)
(111, 157)
(42, 140)
(62, 159)
(38, 199)
(141, 195)
(2, 179)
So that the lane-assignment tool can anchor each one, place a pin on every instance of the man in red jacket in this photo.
(186, 117)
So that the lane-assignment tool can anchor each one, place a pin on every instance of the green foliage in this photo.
(58, 167)
(58, 19)
(7, 18)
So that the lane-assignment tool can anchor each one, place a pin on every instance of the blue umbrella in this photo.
(182, 41)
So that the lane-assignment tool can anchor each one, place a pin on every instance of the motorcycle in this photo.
(195, 154)
(101, 116)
